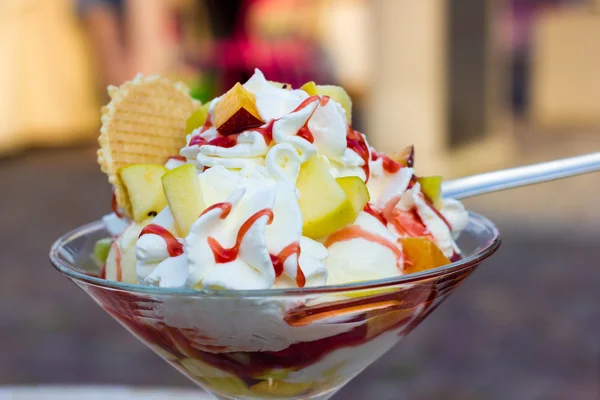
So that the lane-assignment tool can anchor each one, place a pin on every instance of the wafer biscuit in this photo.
(144, 123)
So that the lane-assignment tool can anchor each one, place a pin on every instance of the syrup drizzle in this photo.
(119, 277)
(219, 141)
(207, 124)
(356, 142)
(266, 130)
(279, 259)
(225, 206)
(224, 255)
(407, 223)
(390, 166)
(174, 247)
(369, 210)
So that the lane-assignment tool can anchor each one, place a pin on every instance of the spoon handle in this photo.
(521, 176)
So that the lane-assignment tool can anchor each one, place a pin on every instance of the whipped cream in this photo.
(250, 235)
(441, 232)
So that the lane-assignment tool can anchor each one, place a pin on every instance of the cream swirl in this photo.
(286, 113)
(253, 226)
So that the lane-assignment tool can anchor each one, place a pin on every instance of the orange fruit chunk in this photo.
(421, 254)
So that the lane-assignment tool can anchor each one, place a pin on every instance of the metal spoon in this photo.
(521, 176)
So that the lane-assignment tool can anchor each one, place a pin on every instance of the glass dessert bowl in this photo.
(298, 343)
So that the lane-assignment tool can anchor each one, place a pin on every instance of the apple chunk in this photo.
(182, 190)
(356, 190)
(310, 88)
(431, 186)
(323, 203)
(236, 111)
(197, 119)
(144, 189)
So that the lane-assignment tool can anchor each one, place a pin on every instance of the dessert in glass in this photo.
(258, 243)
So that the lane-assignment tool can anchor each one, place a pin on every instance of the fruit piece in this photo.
(144, 189)
(280, 85)
(431, 186)
(280, 388)
(236, 111)
(421, 254)
(356, 190)
(101, 249)
(406, 157)
(323, 203)
(310, 88)
(197, 119)
(182, 190)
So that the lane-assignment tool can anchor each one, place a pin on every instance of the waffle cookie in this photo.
(144, 123)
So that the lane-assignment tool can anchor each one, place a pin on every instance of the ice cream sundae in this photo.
(266, 187)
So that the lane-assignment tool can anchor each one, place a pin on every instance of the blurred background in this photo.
(476, 85)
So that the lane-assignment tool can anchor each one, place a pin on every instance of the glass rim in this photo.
(69, 271)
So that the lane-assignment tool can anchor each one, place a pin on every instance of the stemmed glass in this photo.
(277, 343)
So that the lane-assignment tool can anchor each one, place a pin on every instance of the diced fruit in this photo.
(421, 254)
(280, 85)
(280, 388)
(324, 206)
(431, 186)
(197, 119)
(144, 190)
(406, 157)
(310, 88)
(236, 111)
(101, 249)
(356, 190)
(182, 190)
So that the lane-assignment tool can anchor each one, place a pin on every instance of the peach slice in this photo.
(421, 254)
(236, 111)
